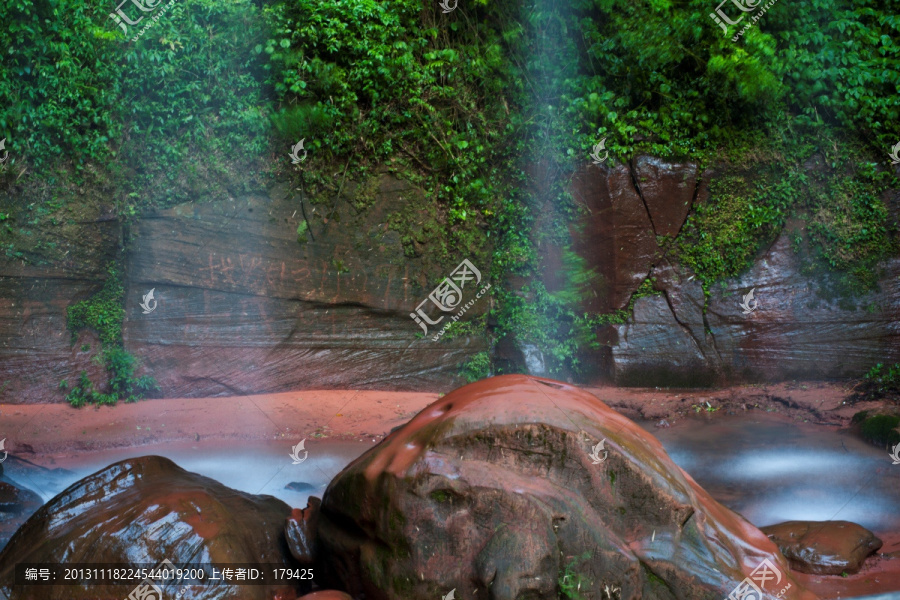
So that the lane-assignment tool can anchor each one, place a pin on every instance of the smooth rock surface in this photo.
(16, 505)
(326, 595)
(142, 511)
(492, 491)
(301, 529)
(823, 547)
(242, 307)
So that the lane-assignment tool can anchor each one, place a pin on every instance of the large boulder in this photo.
(493, 491)
(141, 512)
(16, 505)
(823, 547)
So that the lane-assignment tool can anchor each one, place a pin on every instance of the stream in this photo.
(766, 467)
(772, 470)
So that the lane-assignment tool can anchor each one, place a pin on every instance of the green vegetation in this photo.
(477, 367)
(845, 229)
(884, 380)
(798, 116)
(570, 582)
(103, 313)
(881, 430)
(301, 232)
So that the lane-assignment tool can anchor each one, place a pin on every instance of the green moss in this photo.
(881, 430)
(301, 232)
(476, 368)
(883, 379)
(574, 585)
(440, 496)
(859, 417)
(102, 312)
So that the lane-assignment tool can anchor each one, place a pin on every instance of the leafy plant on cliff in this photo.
(884, 379)
(477, 367)
(570, 581)
(461, 104)
(103, 313)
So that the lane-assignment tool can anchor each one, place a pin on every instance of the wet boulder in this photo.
(143, 511)
(16, 505)
(301, 528)
(520, 487)
(326, 595)
(823, 547)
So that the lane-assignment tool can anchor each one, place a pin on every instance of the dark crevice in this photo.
(640, 194)
(656, 577)
(234, 391)
(712, 337)
(686, 329)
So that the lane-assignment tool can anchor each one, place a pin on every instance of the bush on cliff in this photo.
(103, 313)
(461, 104)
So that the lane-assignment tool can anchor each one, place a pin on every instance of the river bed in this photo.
(766, 467)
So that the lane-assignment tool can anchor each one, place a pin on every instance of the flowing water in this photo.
(772, 470)
(765, 467)
(258, 467)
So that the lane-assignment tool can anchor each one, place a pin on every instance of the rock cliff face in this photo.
(635, 211)
(35, 349)
(244, 307)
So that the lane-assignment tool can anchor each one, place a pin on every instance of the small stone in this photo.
(823, 547)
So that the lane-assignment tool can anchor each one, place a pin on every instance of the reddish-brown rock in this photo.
(668, 190)
(326, 595)
(36, 352)
(493, 488)
(141, 511)
(823, 547)
(792, 334)
(242, 306)
(301, 528)
(616, 237)
(16, 505)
